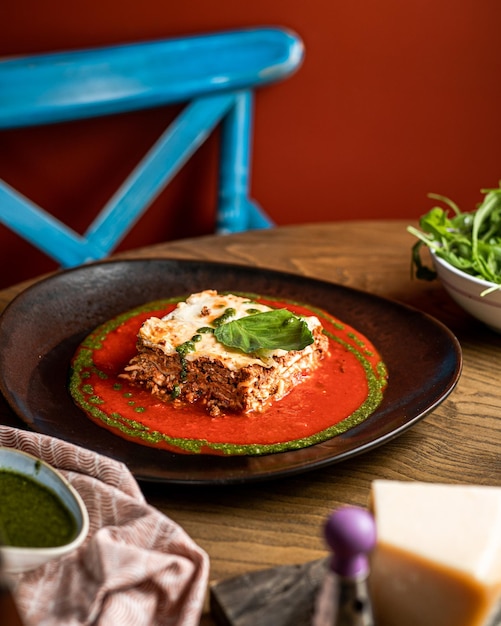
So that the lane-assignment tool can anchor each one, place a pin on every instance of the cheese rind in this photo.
(438, 556)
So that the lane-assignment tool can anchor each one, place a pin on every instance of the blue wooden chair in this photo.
(214, 74)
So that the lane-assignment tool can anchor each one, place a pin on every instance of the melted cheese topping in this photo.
(201, 310)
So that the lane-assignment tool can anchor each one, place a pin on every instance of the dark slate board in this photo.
(281, 596)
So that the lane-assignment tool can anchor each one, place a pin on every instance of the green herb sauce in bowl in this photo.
(31, 515)
(41, 515)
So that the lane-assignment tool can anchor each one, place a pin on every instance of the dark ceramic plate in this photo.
(42, 327)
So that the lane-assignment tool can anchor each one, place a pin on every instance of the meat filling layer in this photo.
(250, 388)
(223, 380)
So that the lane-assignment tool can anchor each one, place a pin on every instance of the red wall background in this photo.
(394, 100)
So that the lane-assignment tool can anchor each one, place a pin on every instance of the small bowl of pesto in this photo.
(42, 516)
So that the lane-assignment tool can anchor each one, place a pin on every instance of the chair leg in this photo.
(43, 230)
(171, 151)
(236, 210)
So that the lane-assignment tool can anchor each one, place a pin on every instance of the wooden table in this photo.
(261, 525)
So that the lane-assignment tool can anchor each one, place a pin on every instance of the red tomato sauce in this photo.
(343, 391)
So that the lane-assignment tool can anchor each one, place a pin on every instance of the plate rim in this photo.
(272, 275)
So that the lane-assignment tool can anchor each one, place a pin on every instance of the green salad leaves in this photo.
(471, 242)
(271, 330)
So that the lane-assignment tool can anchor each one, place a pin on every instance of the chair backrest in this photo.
(215, 74)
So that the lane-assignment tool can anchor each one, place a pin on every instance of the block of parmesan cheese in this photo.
(437, 560)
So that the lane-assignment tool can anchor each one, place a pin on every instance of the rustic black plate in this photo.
(42, 327)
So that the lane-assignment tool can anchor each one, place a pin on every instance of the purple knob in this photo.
(351, 534)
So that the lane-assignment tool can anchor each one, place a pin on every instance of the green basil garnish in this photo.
(272, 330)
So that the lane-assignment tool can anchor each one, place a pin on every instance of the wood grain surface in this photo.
(262, 525)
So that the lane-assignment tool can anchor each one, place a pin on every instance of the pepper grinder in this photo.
(344, 599)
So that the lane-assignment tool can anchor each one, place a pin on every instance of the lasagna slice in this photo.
(179, 357)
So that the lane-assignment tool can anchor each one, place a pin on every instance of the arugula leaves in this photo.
(471, 242)
(271, 330)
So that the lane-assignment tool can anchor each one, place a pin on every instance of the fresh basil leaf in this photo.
(271, 330)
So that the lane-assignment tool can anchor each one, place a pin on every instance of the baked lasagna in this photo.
(227, 352)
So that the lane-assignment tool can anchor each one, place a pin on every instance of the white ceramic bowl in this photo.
(466, 291)
(20, 559)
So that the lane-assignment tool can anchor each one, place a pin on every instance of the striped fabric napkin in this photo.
(136, 568)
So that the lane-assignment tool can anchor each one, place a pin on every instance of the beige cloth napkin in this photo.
(137, 567)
